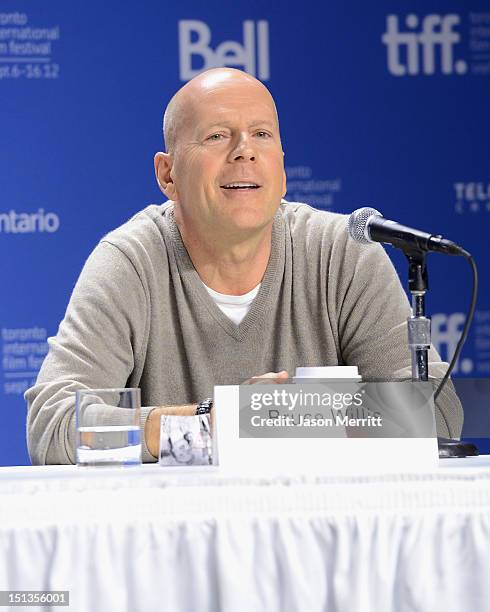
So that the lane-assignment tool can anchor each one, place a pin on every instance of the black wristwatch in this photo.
(205, 406)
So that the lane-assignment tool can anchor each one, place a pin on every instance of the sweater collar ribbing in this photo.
(269, 284)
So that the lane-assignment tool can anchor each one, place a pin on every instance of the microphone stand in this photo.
(419, 341)
(418, 324)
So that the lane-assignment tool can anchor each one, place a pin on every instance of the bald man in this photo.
(223, 282)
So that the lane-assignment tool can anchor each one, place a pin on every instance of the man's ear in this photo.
(284, 181)
(163, 167)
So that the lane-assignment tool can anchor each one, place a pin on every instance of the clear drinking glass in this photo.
(108, 427)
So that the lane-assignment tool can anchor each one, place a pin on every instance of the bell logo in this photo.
(419, 49)
(228, 53)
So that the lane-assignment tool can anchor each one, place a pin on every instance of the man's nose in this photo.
(243, 150)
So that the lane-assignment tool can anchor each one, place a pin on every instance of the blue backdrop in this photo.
(383, 104)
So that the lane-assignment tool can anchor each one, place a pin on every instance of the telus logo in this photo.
(415, 51)
(228, 53)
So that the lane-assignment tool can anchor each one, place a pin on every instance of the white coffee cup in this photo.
(328, 373)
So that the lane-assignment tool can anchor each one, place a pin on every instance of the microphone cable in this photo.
(467, 325)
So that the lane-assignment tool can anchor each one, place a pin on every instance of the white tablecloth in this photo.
(171, 539)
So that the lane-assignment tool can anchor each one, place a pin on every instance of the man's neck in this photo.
(228, 267)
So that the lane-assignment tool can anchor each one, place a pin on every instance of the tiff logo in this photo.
(446, 330)
(195, 39)
(419, 48)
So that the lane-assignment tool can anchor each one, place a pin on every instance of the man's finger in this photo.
(268, 379)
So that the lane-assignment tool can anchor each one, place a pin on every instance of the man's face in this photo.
(182, 451)
(228, 168)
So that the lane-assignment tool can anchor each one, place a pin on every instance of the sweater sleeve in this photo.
(96, 345)
(372, 318)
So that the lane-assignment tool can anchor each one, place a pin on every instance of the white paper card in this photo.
(307, 456)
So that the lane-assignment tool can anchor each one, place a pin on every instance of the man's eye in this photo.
(262, 134)
(215, 137)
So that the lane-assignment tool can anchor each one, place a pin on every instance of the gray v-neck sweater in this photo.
(140, 316)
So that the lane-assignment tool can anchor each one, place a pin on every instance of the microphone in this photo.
(367, 225)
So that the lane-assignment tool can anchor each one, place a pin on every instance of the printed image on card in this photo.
(185, 440)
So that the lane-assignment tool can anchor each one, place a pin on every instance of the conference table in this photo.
(198, 540)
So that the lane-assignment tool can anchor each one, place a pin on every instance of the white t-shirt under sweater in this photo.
(235, 307)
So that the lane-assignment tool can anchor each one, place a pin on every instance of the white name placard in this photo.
(338, 454)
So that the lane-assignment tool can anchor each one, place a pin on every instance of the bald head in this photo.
(182, 106)
(220, 129)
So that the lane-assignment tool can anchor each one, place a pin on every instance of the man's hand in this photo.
(269, 378)
(152, 427)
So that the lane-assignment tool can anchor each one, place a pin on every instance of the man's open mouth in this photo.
(240, 185)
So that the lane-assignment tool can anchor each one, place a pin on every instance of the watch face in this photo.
(205, 406)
